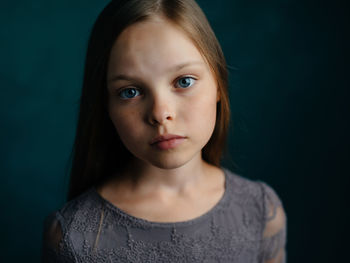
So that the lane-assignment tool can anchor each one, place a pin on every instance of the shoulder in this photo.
(75, 210)
(75, 215)
(259, 196)
(262, 207)
(243, 187)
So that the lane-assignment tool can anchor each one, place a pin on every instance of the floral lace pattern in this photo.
(247, 225)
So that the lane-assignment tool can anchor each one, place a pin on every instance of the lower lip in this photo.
(169, 144)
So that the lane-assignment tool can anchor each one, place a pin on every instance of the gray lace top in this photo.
(248, 224)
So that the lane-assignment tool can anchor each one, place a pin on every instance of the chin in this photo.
(168, 162)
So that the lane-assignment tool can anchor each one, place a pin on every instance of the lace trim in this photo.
(271, 246)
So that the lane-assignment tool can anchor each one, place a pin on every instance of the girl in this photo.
(146, 183)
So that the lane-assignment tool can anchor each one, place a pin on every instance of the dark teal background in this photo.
(289, 100)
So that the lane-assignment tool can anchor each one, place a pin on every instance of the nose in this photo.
(161, 111)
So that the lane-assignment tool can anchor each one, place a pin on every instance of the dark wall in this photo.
(289, 100)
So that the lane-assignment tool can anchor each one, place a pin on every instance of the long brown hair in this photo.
(98, 153)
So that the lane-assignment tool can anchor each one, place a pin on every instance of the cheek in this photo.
(201, 114)
(125, 124)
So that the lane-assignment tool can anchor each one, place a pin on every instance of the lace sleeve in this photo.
(54, 248)
(275, 228)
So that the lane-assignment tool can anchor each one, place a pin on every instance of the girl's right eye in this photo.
(129, 93)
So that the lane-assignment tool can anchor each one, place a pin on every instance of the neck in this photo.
(147, 178)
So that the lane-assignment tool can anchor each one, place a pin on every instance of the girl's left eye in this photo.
(185, 82)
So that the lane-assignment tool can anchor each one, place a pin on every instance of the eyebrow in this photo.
(172, 69)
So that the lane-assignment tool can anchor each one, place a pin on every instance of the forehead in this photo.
(152, 45)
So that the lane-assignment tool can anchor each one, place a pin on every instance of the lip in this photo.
(166, 137)
(168, 141)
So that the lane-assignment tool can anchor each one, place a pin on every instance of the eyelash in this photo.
(176, 82)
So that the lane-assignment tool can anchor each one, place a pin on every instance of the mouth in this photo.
(167, 141)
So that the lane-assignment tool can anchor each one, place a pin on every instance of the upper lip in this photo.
(165, 137)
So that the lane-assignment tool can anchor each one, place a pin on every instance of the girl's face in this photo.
(160, 85)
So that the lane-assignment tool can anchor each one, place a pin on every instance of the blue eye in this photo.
(185, 82)
(129, 93)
